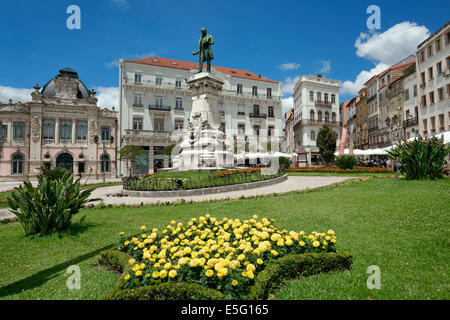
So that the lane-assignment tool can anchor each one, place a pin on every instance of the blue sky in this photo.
(310, 37)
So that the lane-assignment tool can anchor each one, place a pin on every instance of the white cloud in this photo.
(16, 94)
(384, 50)
(350, 87)
(288, 85)
(108, 97)
(287, 104)
(289, 66)
(121, 3)
(325, 66)
(394, 44)
(115, 63)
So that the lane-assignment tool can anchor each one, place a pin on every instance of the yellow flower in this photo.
(131, 261)
(251, 267)
(209, 273)
(143, 228)
(331, 232)
(121, 234)
(163, 274)
(234, 283)
(274, 252)
(259, 261)
(316, 243)
(143, 236)
(126, 243)
(155, 274)
(127, 277)
(138, 273)
(302, 243)
(172, 273)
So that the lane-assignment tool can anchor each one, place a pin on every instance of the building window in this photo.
(406, 94)
(441, 122)
(438, 45)
(319, 115)
(138, 123)
(422, 78)
(319, 96)
(311, 115)
(159, 124)
(241, 110)
(327, 116)
(430, 73)
(254, 91)
(311, 96)
(313, 135)
(415, 90)
(270, 131)
(424, 101)
(422, 56)
(159, 101)
(18, 130)
(241, 129)
(333, 117)
(178, 84)
(17, 164)
(179, 125)
(440, 94)
(48, 129)
(431, 97)
(105, 163)
(270, 111)
(325, 96)
(256, 130)
(269, 93)
(82, 127)
(256, 109)
(137, 100)
(333, 98)
(239, 88)
(179, 103)
(81, 167)
(4, 131)
(159, 81)
(137, 78)
(439, 68)
(65, 130)
(430, 51)
(106, 133)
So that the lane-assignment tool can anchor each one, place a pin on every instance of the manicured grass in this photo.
(401, 226)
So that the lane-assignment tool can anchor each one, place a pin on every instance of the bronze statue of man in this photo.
(205, 52)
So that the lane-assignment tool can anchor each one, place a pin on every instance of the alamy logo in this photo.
(74, 20)
(74, 280)
(374, 21)
(374, 281)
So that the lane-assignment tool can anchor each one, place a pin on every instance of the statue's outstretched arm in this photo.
(211, 40)
(195, 52)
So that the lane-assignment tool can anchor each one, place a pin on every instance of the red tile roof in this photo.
(186, 65)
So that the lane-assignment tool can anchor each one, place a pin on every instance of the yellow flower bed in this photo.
(225, 255)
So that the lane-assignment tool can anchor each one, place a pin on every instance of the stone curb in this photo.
(205, 191)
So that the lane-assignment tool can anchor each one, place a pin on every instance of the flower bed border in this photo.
(266, 282)
(205, 191)
(364, 170)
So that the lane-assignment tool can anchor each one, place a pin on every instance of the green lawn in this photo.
(401, 226)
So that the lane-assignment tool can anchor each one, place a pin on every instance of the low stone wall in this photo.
(205, 191)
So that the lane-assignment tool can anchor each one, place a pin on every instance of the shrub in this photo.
(347, 161)
(224, 255)
(54, 174)
(50, 206)
(337, 170)
(421, 158)
(284, 162)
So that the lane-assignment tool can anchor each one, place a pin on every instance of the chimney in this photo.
(319, 76)
(259, 76)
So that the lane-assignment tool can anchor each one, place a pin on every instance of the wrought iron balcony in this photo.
(410, 122)
(138, 105)
(323, 104)
(258, 115)
(159, 107)
(320, 123)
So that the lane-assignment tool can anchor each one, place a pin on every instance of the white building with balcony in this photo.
(433, 77)
(316, 103)
(155, 106)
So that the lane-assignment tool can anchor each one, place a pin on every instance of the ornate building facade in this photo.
(61, 127)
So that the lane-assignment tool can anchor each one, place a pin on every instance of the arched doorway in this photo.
(65, 161)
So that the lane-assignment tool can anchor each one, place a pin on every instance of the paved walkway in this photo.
(293, 183)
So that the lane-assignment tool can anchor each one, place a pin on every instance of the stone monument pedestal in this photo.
(204, 145)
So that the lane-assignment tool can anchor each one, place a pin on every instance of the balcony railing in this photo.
(373, 129)
(258, 115)
(252, 95)
(323, 104)
(410, 122)
(320, 123)
(138, 105)
(372, 98)
(221, 112)
(159, 107)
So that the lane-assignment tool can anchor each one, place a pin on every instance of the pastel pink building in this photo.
(61, 127)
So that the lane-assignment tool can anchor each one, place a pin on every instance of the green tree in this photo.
(129, 154)
(326, 142)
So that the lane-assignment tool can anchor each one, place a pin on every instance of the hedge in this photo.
(266, 282)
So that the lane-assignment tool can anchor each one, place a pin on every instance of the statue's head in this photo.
(204, 31)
